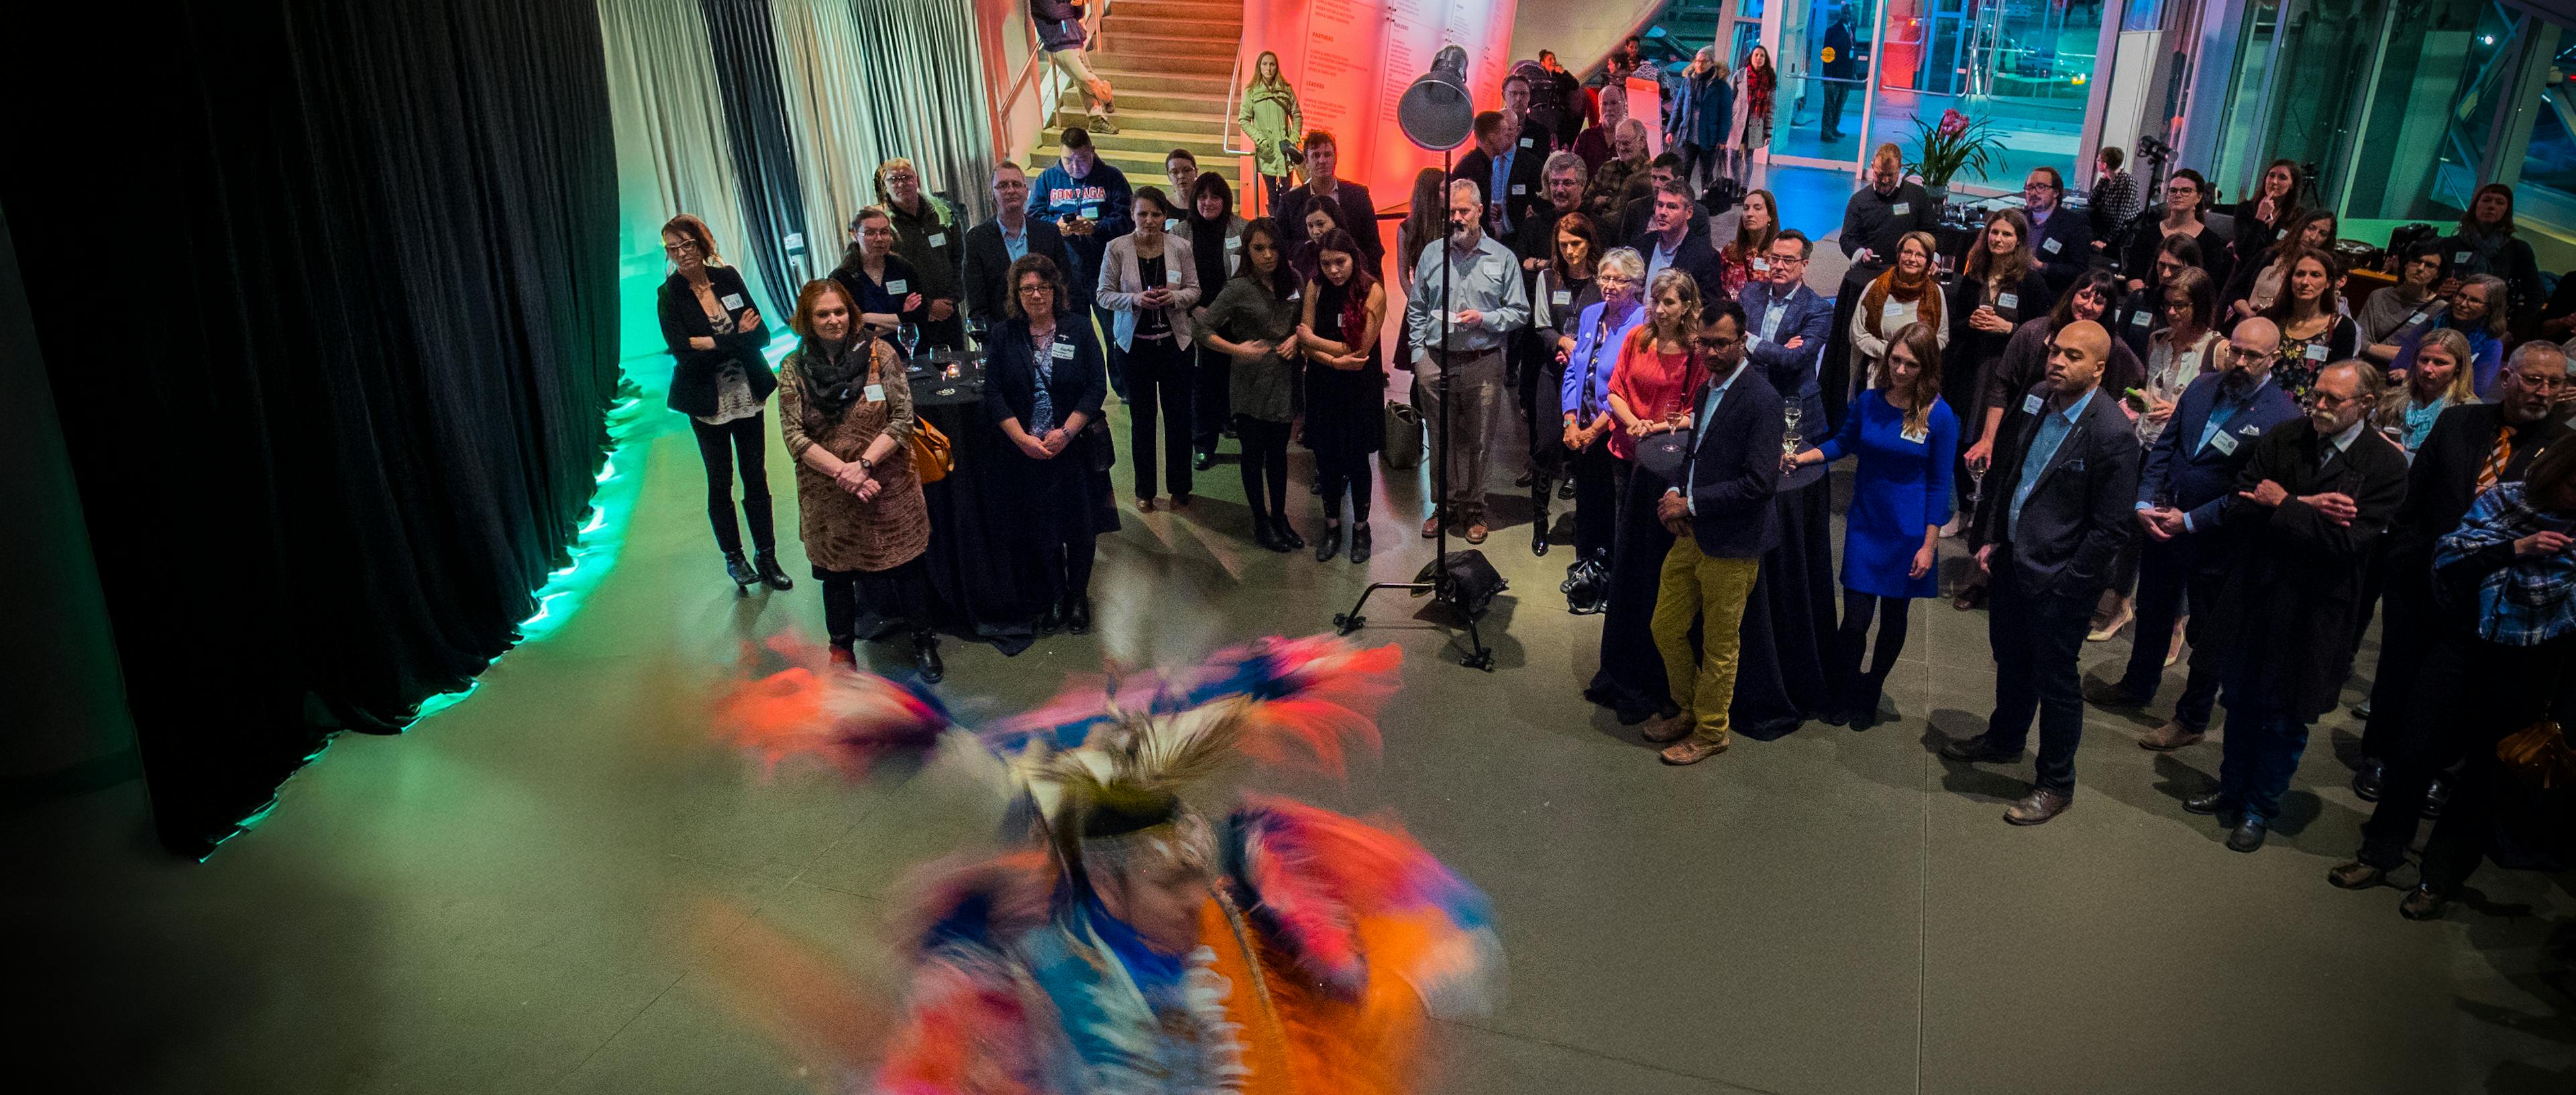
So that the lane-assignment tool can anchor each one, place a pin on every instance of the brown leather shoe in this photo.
(2421, 903)
(2356, 875)
(2038, 808)
(1476, 532)
(1691, 751)
(1431, 528)
(2169, 737)
(1664, 728)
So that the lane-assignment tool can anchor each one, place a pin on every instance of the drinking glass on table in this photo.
(908, 336)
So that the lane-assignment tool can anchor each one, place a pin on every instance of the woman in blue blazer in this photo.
(1044, 381)
(1906, 438)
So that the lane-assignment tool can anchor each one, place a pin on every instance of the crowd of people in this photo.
(2152, 414)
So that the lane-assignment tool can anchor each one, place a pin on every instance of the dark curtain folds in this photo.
(764, 163)
(349, 415)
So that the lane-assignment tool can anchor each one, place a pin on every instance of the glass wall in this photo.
(2026, 65)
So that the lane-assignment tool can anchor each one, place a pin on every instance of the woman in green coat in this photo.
(1271, 118)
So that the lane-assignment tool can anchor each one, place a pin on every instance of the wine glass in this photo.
(908, 336)
(1790, 416)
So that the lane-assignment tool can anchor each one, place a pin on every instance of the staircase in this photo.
(1169, 62)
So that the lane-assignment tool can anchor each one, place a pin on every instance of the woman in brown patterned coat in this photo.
(847, 417)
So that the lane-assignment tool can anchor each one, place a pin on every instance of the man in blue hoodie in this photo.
(1090, 203)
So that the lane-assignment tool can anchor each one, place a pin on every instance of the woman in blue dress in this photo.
(1905, 437)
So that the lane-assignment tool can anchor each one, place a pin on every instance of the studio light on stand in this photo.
(1437, 114)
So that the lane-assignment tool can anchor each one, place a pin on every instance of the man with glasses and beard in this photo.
(2190, 473)
(2313, 499)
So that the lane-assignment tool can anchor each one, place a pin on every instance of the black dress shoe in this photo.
(2207, 805)
(1286, 534)
(1538, 537)
(925, 658)
(1330, 544)
(739, 569)
(2436, 796)
(766, 565)
(1976, 751)
(2366, 780)
(1565, 490)
(1263, 538)
(2108, 694)
(2248, 835)
(1203, 461)
(1051, 620)
(1360, 543)
(1077, 617)
(2421, 903)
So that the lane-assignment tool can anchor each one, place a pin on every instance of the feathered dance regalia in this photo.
(1131, 945)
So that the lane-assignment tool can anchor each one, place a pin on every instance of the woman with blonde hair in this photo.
(1271, 117)
(846, 415)
(2439, 381)
(1908, 293)
(1906, 438)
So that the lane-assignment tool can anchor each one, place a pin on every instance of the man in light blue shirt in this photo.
(1468, 299)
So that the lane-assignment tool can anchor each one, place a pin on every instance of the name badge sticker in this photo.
(1526, 142)
(2316, 351)
(2458, 257)
(2224, 443)
(1892, 309)
(1171, 224)
(2052, 245)
(1519, 189)
(1172, 276)
(2007, 300)
(1902, 208)
(874, 393)
(1295, 293)
(730, 301)
(1233, 242)
(1063, 350)
(939, 239)
(2030, 403)
(1091, 212)
(2140, 318)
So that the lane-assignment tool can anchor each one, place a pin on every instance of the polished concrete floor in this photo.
(563, 884)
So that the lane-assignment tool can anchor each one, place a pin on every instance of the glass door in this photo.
(2025, 65)
(1821, 118)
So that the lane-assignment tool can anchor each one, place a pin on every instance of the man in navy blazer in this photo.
(2062, 240)
(988, 249)
(1513, 191)
(2190, 472)
(1786, 327)
(2060, 507)
(1720, 517)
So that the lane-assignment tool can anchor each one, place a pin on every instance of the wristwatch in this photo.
(867, 465)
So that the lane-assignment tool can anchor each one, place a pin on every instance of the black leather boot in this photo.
(1286, 534)
(925, 657)
(739, 569)
(1360, 543)
(766, 565)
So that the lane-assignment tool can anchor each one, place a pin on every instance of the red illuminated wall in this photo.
(1352, 59)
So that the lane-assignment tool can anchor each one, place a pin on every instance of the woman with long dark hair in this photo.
(1757, 84)
(1565, 288)
(1043, 383)
(1743, 256)
(720, 381)
(2000, 288)
(2185, 214)
(1426, 221)
(1345, 386)
(2265, 218)
(2258, 281)
(2314, 330)
(1254, 321)
(845, 412)
(1215, 233)
(1907, 439)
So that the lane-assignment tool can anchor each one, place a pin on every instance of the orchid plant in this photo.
(1953, 144)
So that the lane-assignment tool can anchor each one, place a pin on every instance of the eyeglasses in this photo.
(2539, 383)
(676, 248)
(2323, 398)
(1717, 343)
(1036, 290)
(2242, 354)
(901, 176)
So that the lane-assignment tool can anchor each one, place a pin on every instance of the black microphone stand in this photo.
(1443, 585)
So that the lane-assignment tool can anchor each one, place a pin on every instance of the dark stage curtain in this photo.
(764, 163)
(327, 295)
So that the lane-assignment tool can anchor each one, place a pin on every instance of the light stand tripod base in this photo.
(1478, 655)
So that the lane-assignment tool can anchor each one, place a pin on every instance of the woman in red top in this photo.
(1650, 393)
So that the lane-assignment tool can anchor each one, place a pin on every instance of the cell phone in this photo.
(2137, 398)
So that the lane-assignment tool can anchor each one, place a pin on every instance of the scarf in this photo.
(1758, 85)
(1891, 285)
(834, 377)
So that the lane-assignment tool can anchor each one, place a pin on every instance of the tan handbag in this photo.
(932, 456)
(2538, 755)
